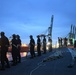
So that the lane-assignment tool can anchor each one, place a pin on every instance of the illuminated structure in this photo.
(69, 39)
(72, 35)
(49, 30)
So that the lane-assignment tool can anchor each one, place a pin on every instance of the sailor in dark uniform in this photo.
(14, 49)
(32, 46)
(38, 45)
(50, 44)
(18, 49)
(44, 44)
(73, 55)
(75, 44)
(4, 43)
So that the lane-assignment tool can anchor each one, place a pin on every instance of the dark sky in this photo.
(25, 17)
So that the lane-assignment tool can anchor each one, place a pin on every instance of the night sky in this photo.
(33, 17)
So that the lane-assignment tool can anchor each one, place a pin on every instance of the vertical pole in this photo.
(71, 29)
(51, 26)
(71, 32)
(50, 32)
(75, 32)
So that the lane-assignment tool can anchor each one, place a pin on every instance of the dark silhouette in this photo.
(14, 49)
(4, 43)
(18, 49)
(32, 45)
(73, 59)
(60, 41)
(44, 44)
(71, 41)
(50, 44)
(65, 41)
(75, 44)
(38, 45)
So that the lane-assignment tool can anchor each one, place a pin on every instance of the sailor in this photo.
(4, 43)
(14, 49)
(32, 46)
(18, 48)
(38, 45)
(44, 44)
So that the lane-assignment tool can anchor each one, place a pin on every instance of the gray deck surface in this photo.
(35, 67)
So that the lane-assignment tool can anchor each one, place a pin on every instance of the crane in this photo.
(49, 29)
(49, 34)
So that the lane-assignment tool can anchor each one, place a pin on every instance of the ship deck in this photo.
(35, 66)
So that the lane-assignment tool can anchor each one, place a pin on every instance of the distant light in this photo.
(57, 45)
(47, 48)
(24, 45)
(48, 43)
(23, 54)
(68, 43)
(73, 41)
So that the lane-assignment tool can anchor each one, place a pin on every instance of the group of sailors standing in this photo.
(16, 46)
(32, 45)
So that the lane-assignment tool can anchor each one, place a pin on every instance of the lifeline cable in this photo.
(54, 56)
(39, 64)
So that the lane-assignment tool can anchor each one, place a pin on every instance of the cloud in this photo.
(27, 17)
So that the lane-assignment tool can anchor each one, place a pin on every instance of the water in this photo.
(23, 54)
